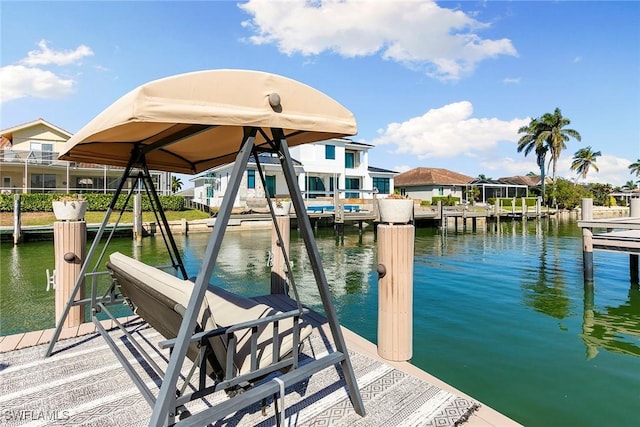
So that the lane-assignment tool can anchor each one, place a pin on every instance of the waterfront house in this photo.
(322, 168)
(512, 186)
(29, 164)
(426, 183)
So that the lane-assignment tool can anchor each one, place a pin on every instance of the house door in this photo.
(271, 185)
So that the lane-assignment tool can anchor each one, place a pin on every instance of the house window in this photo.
(382, 184)
(42, 182)
(352, 184)
(251, 178)
(41, 153)
(316, 187)
(441, 191)
(349, 160)
(330, 152)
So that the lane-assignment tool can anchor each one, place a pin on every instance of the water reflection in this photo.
(543, 286)
(613, 328)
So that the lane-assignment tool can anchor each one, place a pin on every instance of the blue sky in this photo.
(435, 84)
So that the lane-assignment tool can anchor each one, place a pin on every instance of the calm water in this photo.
(502, 315)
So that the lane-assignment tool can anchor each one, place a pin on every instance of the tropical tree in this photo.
(533, 141)
(556, 135)
(629, 185)
(547, 134)
(583, 160)
(634, 168)
(176, 184)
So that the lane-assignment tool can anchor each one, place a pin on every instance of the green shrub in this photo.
(425, 203)
(42, 202)
(446, 201)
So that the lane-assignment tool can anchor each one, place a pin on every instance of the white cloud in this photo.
(46, 56)
(28, 78)
(613, 170)
(19, 81)
(508, 166)
(401, 168)
(419, 34)
(447, 132)
(512, 80)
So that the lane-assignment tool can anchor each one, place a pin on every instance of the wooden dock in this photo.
(610, 234)
(39, 391)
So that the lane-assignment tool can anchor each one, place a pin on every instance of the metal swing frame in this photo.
(167, 400)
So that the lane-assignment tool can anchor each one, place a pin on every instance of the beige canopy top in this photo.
(191, 122)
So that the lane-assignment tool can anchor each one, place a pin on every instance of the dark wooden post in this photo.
(587, 240)
(278, 265)
(395, 294)
(634, 212)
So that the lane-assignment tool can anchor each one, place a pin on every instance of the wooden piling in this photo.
(395, 293)
(278, 265)
(634, 212)
(70, 239)
(137, 219)
(17, 221)
(587, 240)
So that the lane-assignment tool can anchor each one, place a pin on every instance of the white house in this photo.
(29, 164)
(322, 168)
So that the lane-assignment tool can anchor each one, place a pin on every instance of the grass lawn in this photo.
(47, 218)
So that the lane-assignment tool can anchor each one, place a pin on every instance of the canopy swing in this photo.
(187, 124)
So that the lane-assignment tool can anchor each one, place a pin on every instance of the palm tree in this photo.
(176, 184)
(553, 132)
(629, 185)
(583, 160)
(634, 168)
(532, 141)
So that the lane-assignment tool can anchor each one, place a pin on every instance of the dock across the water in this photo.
(610, 234)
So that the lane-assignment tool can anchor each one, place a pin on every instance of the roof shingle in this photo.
(430, 176)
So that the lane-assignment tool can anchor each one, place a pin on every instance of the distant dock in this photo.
(456, 217)
(610, 234)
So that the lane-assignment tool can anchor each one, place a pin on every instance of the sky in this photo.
(431, 84)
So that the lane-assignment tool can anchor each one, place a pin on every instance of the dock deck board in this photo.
(83, 384)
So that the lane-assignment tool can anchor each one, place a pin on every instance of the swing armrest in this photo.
(231, 329)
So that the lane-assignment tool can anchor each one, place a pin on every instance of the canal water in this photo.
(502, 315)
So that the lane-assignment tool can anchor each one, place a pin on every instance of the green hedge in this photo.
(40, 202)
(529, 201)
(446, 200)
